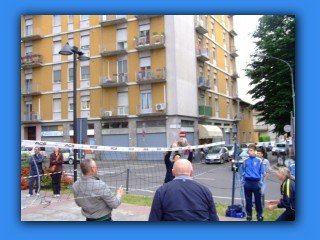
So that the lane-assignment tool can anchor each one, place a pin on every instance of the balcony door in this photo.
(146, 102)
(27, 111)
(122, 71)
(28, 85)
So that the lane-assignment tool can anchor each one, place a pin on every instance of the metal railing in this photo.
(31, 88)
(150, 74)
(30, 31)
(114, 78)
(113, 46)
(31, 59)
(114, 111)
(199, 24)
(204, 82)
(260, 127)
(158, 108)
(31, 116)
(200, 50)
(147, 40)
(238, 116)
(104, 18)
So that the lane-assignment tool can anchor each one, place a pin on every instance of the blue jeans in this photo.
(31, 183)
(252, 187)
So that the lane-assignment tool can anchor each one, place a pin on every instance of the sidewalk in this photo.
(62, 209)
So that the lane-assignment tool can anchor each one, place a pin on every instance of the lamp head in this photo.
(262, 55)
(66, 50)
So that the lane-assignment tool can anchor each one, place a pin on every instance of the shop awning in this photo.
(209, 131)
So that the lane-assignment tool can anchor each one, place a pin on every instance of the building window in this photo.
(224, 39)
(215, 82)
(214, 56)
(84, 17)
(226, 62)
(243, 137)
(217, 106)
(203, 100)
(56, 20)
(85, 42)
(28, 27)
(227, 87)
(186, 123)
(85, 105)
(70, 18)
(228, 110)
(123, 71)
(115, 125)
(223, 20)
(57, 76)
(70, 75)
(213, 36)
(229, 22)
(56, 47)
(210, 101)
(146, 101)
(70, 104)
(85, 73)
(243, 113)
(57, 105)
(249, 114)
(250, 136)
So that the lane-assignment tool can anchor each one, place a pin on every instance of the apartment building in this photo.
(157, 74)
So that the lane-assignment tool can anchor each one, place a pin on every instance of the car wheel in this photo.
(222, 160)
(70, 161)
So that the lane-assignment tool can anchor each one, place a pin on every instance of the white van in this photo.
(30, 151)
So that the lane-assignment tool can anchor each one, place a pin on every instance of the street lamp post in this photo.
(293, 95)
(68, 50)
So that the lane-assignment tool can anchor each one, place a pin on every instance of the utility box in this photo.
(82, 127)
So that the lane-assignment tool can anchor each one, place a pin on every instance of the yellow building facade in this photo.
(161, 74)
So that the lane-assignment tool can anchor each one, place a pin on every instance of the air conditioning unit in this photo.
(108, 113)
(160, 106)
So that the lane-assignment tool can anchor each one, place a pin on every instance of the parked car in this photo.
(269, 148)
(244, 154)
(68, 155)
(244, 146)
(280, 148)
(30, 151)
(260, 144)
(231, 151)
(217, 154)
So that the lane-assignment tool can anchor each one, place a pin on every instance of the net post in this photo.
(127, 182)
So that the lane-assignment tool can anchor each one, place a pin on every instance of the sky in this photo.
(244, 26)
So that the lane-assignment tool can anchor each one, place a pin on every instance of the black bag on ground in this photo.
(236, 207)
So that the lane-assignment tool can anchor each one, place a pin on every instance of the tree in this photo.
(270, 77)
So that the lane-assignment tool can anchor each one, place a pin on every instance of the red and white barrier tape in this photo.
(44, 174)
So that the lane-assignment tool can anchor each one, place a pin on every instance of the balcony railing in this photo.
(204, 83)
(235, 96)
(116, 79)
(140, 17)
(205, 111)
(31, 117)
(238, 117)
(233, 52)
(200, 28)
(114, 112)
(148, 43)
(106, 20)
(155, 110)
(31, 33)
(235, 74)
(31, 89)
(31, 61)
(202, 53)
(258, 128)
(113, 48)
(151, 75)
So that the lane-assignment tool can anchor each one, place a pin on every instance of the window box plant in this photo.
(162, 34)
(155, 34)
(157, 42)
(148, 42)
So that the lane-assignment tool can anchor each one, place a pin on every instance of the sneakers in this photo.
(249, 218)
(38, 194)
(29, 195)
(260, 218)
(56, 195)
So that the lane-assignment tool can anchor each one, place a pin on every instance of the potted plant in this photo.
(138, 78)
(142, 35)
(162, 34)
(135, 38)
(147, 42)
(155, 34)
(147, 77)
(157, 42)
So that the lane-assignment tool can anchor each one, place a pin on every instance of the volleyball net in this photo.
(140, 171)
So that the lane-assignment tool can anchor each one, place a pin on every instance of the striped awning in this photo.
(209, 131)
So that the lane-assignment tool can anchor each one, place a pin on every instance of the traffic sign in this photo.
(287, 128)
(182, 135)
(143, 133)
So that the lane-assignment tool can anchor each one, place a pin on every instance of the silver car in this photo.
(217, 154)
(231, 151)
(280, 148)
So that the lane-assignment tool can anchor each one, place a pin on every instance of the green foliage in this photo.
(264, 139)
(271, 77)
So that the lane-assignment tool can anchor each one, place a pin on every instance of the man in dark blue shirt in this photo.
(183, 199)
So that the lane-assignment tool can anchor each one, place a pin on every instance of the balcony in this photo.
(31, 33)
(107, 20)
(233, 33)
(233, 52)
(236, 96)
(151, 76)
(158, 109)
(31, 89)
(116, 80)
(141, 17)
(234, 75)
(113, 48)
(260, 128)
(31, 61)
(238, 117)
(200, 27)
(205, 111)
(204, 83)
(144, 43)
(114, 112)
(31, 117)
(202, 54)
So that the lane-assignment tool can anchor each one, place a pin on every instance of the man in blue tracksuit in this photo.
(169, 164)
(292, 169)
(35, 161)
(288, 196)
(252, 180)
